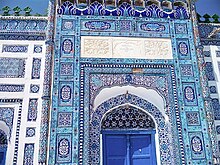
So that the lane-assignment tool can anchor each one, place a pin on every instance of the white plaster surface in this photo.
(26, 95)
(216, 69)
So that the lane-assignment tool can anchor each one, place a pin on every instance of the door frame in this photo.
(129, 132)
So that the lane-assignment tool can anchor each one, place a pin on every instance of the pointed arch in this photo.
(162, 126)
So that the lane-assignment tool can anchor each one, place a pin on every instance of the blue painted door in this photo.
(140, 149)
(129, 148)
(2, 156)
(116, 150)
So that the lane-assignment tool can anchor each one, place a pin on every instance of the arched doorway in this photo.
(128, 137)
(3, 147)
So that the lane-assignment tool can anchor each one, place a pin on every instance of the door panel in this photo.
(140, 149)
(116, 149)
(129, 149)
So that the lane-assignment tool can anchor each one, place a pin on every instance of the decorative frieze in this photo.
(11, 88)
(15, 48)
(124, 47)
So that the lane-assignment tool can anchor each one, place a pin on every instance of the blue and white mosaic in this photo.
(65, 119)
(32, 110)
(66, 69)
(15, 48)
(186, 70)
(64, 148)
(29, 154)
(38, 48)
(36, 67)
(12, 68)
(11, 88)
(34, 88)
(193, 118)
(218, 129)
(77, 82)
(30, 131)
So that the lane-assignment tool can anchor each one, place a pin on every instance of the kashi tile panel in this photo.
(15, 48)
(124, 47)
(64, 148)
(197, 146)
(32, 109)
(30, 131)
(12, 68)
(28, 154)
(36, 67)
(11, 88)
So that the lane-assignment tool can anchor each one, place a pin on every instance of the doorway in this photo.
(128, 137)
(133, 147)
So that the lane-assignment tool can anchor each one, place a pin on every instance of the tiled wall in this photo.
(212, 59)
(21, 86)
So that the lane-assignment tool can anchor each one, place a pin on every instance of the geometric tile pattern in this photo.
(30, 131)
(15, 48)
(186, 70)
(29, 154)
(77, 81)
(197, 145)
(193, 118)
(12, 68)
(65, 119)
(11, 88)
(32, 110)
(36, 66)
(64, 148)
(66, 69)
(34, 88)
(218, 129)
(38, 48)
